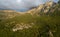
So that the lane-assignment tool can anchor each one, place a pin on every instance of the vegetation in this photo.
(44, 26)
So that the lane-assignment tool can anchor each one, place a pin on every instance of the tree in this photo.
(59, 1)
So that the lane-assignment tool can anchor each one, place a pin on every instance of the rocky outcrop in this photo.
(45, 8)
(22, 26)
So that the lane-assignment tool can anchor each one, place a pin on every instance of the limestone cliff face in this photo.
(42, 8)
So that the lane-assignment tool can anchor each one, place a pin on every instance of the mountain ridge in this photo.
(48, 7)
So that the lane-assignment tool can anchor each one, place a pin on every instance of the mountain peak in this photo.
(42, 8)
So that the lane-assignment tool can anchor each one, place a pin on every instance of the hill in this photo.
(43, 21)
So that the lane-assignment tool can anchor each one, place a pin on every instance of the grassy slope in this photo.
(43, 24)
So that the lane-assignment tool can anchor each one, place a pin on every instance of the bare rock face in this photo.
(45, 8)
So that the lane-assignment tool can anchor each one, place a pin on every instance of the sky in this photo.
(21, 5)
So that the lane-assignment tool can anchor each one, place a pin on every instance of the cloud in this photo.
(20, 4)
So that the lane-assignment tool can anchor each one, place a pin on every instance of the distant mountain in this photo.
(5, 14)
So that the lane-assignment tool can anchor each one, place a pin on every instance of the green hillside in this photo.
(46, 25)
